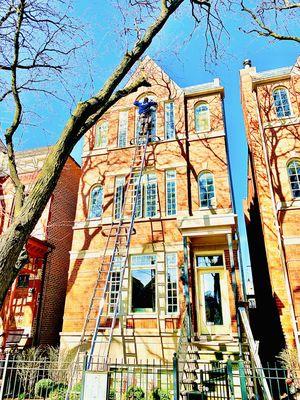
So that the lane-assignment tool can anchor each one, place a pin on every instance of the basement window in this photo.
(143, 284)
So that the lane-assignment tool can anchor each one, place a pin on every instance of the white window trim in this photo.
(166, 191)
(172, 314)
(123, 112)
(165, 133)
(149, 314)
(90, 204)
(209, 119)
(285, 117)
(214, 205)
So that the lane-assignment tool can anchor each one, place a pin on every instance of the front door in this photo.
(212, 295)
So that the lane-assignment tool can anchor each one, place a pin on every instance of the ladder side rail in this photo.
(129, 234)
(253, 349)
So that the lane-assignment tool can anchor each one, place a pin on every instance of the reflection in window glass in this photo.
(169, 120)
(123, 128)
(171, 192)
(143, 283)
(23, 281)
(172, 282)
(96, 200)
(202, 117)
(206, 189)
(281, 102)
(294, 177)
(212, 297)
(101, 135)
(210, 261)
(119, 194)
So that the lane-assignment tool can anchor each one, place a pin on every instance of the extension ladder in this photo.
(100, 317)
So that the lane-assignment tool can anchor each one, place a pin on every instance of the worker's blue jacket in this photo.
(144, 108)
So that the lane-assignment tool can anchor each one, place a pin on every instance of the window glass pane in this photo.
(171, 206)
(169, 121)
(281, 103)
(206, 189)
(172, 283)
(151, 195)
(101, 135)
(210, 261)
(294, 177)
(123, 128)
(202, 118)
(23, 281)
(119, 192)
(212, 298)
(137, 193)
(96, 199)
(143, 290)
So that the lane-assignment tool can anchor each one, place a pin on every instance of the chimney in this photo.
(247, 63)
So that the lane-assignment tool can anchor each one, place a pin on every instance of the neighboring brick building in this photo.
(271, 102)
(33, 309)
(186, 194)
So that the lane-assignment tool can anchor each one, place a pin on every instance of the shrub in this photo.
(43, 387)
(58, 394)
(135, 393)
(159, 394)
(112, 394)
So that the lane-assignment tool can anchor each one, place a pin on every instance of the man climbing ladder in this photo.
(145, 117)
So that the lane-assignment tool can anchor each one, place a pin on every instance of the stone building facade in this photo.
(185, 205)
(270, 103)
(33, 309)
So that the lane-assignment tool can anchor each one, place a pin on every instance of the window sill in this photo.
(282, 122)
(292, 204)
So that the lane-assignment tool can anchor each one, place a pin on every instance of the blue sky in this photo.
(181, 57)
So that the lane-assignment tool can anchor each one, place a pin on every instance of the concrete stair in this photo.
(204, 367)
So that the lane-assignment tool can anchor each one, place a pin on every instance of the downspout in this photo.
(278, 231)
(187, 152)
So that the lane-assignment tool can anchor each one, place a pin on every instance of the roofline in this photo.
(219, 89)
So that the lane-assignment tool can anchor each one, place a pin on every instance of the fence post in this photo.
(230, 378)
(4, 376)
(176, 377)
(243, 382)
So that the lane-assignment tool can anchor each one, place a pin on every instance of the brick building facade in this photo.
(185, 198)
(33, 309)
(271, 102)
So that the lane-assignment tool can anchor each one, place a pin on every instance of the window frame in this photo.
(99, 135)
(297, 160)
(142, 207)
(139, 268)
(90, 202)
(279, 88)
(123, 179)
(170, 180)
(173, 267)
(199, 192)
(199, 104)
(165, 116)
(116, 269)
(120, 127)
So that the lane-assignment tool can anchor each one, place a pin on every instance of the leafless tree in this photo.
(273, 18)
(20, 23)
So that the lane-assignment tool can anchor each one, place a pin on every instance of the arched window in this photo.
(202, 117)
(282, 102)
(294, 177)
(101, 134)
(96, 201)
(206, 189)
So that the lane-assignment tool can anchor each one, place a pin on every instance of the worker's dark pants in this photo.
(145, 123)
